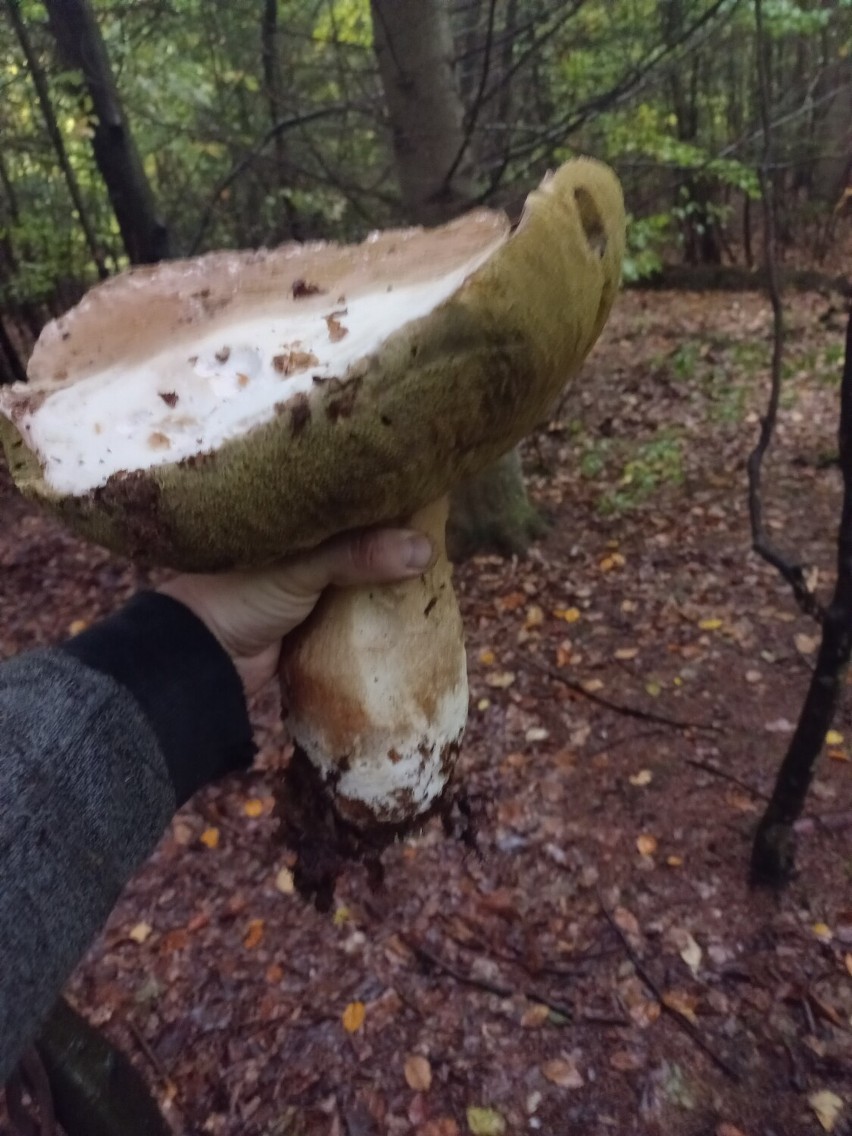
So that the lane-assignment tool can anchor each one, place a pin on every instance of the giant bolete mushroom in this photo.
(231, 409)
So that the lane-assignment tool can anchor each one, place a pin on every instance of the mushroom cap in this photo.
(352, 384)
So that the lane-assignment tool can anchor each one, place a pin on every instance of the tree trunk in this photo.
(273, 89)
(774, 849)
(82, 48)
(414, 49)
(492, 513)
(696, 194)
(43, 95)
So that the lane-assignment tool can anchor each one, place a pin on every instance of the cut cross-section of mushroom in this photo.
(232, 409)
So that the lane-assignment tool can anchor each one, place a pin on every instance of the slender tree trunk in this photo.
(774, 850)
(273, 89)
(492, 513)
(82, 48)
(11, 367)
(414, 50)
(43, 95)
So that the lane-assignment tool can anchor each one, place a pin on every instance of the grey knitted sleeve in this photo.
(85, 795)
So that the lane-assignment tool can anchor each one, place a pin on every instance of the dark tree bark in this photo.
(11, 367)
(414, 50)
(81, 46)
(43, 95)
(273, 89)
(773, 853)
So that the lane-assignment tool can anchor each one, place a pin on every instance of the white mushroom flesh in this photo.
(193, 395)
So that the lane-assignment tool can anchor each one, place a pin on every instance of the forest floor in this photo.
(600, 967)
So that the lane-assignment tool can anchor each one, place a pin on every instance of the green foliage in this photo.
(672, 109)
(654, 463)
(646, 239)
(630, 473)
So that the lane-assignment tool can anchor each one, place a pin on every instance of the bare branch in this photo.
(248, 158)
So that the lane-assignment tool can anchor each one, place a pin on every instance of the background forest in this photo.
(139, 129)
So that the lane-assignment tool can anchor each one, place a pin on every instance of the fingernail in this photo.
(417, 552)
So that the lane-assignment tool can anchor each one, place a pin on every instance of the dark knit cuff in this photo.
(182, 679)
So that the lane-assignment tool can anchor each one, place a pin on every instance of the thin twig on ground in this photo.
(153, 1060)
(709, 767)
(502, 991)
(688, 1028)
(620, 707)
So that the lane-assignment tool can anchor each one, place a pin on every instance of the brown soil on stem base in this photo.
(601, 967)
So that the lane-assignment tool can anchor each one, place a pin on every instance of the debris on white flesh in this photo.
(195, 393)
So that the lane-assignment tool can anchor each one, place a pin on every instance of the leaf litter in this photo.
(263, 1016)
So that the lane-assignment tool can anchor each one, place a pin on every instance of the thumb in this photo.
(370, 556)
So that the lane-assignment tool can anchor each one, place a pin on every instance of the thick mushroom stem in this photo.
(375, 690)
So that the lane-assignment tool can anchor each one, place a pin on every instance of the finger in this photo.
(372, 556)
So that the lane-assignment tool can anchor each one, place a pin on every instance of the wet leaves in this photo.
(323, 1023)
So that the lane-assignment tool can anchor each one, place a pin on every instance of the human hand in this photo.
(250, 612)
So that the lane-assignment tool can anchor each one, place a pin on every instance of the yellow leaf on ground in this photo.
(77, 626)
(847, 960)
(838, 755)
(822, 931)
(140, 932)
(592, 685)
(535, 617)
(485, 1122)
(254, 934)
(253, 807)
(646, 844)
(353, 1016)
(569, 614)
(418, 1073)
(643, 777)
(827, 1106)
(483, 704)
(341, 916)
(653, 688)
(210, 837)
(834, 738)
(487, 657)
(284, 882)
(710, 624)
(563, 1073)
(674, 861)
